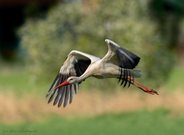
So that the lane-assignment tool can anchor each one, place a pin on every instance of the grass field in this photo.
(158, 122)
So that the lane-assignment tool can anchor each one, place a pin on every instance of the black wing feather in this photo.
(127, 59)
(81, 66)
(71, 93)
(62, 97)
(57, 97)
(53, 85)
(65, 94)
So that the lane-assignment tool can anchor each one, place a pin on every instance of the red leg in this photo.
(143, 88)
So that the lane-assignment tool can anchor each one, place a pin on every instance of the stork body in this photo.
(117, 63)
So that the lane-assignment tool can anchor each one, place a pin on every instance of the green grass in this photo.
(159, 122)
(15, 80)
(21, 82)
(176, 79)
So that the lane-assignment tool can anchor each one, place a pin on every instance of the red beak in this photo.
(62, 84)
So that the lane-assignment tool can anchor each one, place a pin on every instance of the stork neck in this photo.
(83, 77)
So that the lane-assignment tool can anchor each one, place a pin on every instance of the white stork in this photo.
(117, 63)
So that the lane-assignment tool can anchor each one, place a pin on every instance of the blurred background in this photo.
(37, 35)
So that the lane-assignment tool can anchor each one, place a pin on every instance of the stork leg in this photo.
(142, 87)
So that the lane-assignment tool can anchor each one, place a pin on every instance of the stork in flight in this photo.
(117, 63)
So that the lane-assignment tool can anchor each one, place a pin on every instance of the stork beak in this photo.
(62, 84)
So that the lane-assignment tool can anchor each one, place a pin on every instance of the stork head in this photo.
(70, 80)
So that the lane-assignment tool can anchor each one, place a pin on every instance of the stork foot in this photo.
(145, 89)
(150, 91)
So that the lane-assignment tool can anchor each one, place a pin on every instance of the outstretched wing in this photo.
(120, 56)
(75, 65)
(123, 58)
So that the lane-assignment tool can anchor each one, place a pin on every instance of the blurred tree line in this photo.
(84, 26)
(168, 15)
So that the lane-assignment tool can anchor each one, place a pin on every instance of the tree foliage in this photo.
(74, 26)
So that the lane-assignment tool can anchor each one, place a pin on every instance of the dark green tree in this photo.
(168, 15)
